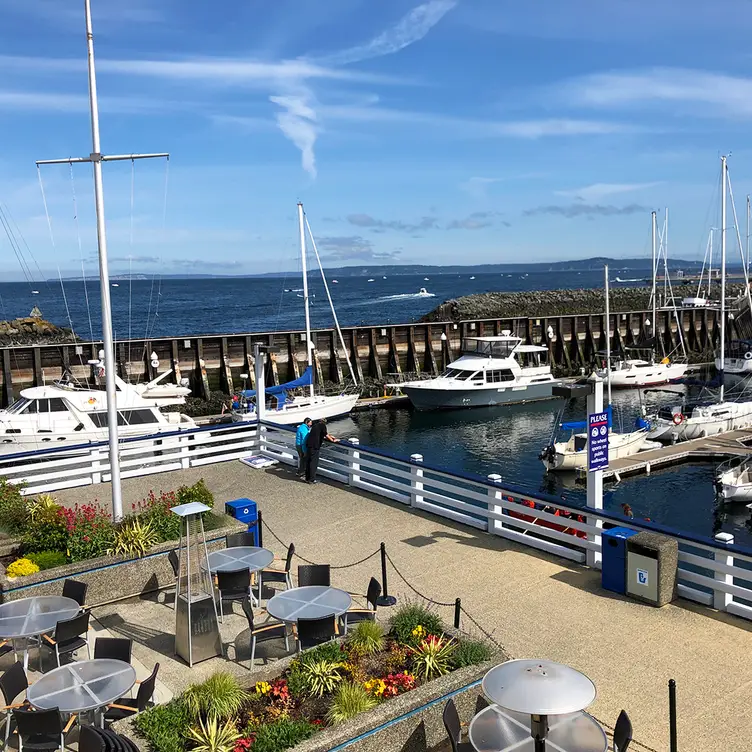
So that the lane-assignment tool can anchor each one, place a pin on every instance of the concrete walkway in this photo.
(535, 605)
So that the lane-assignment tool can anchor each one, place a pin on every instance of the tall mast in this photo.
(309, 352)
(724, 178)
(608, 335)
(748, 217)
(96, 158)
(653, 233)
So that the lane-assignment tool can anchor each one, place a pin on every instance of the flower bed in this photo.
(323, 688)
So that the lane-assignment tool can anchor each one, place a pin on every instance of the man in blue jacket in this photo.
(301, 443)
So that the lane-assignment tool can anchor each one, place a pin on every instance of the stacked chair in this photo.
(93, 739)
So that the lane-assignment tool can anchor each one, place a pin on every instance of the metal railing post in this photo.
(493, 495)
(673, 741)
(721, 599)
(457, 612)
(416, 484)
(353, 477)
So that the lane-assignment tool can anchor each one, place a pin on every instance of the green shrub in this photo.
(49, 531)
(165, 726)
(329, 651)
(133, 537)
(433, 657)
(296, 680)
(48, 559)
(410, 616)
(155, 511)
(90, 531)
(213, 736)
(197, 492)
(366, 638)
(321, 677)
(220, 697)
(471, 652)
(282, 734)
(349, 700)
(14, 512)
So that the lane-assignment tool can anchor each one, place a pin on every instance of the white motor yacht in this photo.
(734, 481)
(635, 372)
(490, 371)
(738, 358)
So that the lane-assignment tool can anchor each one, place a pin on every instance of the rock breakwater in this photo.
(33, 331)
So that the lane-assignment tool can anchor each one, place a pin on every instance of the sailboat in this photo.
(289, 410)
(631, 372)
(572, 453)
(699, 418)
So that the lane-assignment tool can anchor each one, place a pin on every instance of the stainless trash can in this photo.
(652, 560)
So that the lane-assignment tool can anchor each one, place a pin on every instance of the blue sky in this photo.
(447, 131)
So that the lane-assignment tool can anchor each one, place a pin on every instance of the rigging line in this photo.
(12, 219)
(81, 251)
(150, 332)
(739, 241)
(130, 263)
(16, 250)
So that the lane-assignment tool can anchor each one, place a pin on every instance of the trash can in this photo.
(245, 510)
(614, 558)
(652, 560)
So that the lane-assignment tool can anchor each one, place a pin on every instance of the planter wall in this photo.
(110, 578)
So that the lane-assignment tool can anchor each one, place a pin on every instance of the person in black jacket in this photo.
(316, 438)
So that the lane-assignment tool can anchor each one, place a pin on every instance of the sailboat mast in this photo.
(653, 233)
(724, 178)
(608, 335)
(748, 218)
(309, 351)
(104, 277)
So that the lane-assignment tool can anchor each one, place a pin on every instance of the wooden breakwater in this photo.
(378, 353)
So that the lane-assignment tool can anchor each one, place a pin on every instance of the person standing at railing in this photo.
(316, 438)
(301, 442)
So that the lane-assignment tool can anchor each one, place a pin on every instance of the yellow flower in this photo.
(21, 568)
(375, 686)
(419, 631)
(263, 688)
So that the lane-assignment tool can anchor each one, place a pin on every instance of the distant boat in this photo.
(335, 282)
(425, 279)
(383, 278)
(371, 280)
(424, 293)
(35, 292)
(472, 277)
(115, 284)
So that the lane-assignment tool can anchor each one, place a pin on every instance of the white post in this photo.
(495, 495)
(595, 478)
(724, 176)
(608, 334)
(748, 218)
(258, 366)
(416, 484)
(722, 599)
(301, 222)
(653, 234)
(96, 466)
(354, 477)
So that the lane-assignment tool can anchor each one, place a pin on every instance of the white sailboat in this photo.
(632, 372)
(734, 481)
(280, 407)
(700, 418)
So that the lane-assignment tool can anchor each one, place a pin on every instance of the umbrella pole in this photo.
(539, 731)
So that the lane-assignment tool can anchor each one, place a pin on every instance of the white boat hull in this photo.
(565, 457)
(297, 410)
(736, 366)
(705, 421)
(643, 374)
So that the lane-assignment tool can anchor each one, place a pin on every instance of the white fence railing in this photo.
(715, 573)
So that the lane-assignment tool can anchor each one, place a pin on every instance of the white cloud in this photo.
(599, 191)
(298, 122)
(477, 187)
(43, 101)
(411, 28)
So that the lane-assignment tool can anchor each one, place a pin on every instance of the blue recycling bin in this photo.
(245, 510)
(614, 558)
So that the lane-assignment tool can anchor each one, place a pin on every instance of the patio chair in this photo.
(622, 732)
(314, 574)
(41, 729)
(312, 632)
(233, 540)
(127, 706)
(269, 630)
(233, 586)
(174, 560)
(76, 591)
(67, 637)
(454, 728)
(117, 648)
(13, 683)
(279, 575)
(354, 615)
(90, 740)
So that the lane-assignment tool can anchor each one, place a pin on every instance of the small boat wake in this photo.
(422, 293)
(619, 279)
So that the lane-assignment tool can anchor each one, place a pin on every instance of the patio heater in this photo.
(196, 626)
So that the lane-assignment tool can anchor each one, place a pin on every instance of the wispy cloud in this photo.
(571, 211)
(411, 28)
(476, 221)
(45, 101)
(599, 191)
(352, 247)
(298, 121)
(366, 220)
(478, 187)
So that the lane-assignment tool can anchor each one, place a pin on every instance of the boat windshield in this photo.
(490, 349)
(739, 349)
(456, 373)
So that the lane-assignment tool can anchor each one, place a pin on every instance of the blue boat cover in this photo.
(581, 425)
(306, 379)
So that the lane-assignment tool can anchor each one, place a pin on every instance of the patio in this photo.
(536, 605)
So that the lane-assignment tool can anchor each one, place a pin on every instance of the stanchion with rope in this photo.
(457, 612)
(384, 599)
(673, 741)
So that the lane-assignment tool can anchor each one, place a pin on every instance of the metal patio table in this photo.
(495, 729)
(238, 558)
(82, 686)
(31, 617)
(310, 602)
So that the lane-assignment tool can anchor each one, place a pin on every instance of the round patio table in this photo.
(31, 617)
(81, 686)
(495, 729)
(310, 602)
(238, 558)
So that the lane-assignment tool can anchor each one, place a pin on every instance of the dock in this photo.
(722, 446)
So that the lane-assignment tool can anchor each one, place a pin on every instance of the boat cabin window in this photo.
(125, 418)
(498, 375)
(496, 349)
(18, 406)
(460, 375)
(54, 405)
(532, 359)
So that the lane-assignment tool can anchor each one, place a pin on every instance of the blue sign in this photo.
(597, 441)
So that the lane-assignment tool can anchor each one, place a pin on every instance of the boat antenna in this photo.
(724, 178)
(309, 344)
(96, 158)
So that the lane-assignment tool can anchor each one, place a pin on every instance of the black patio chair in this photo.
(354, 615)
(41, 729)
(269, 630)
(76, 591)
(622, 732)
(13, 683)
(312, 632)
(314, 574)
(127, 706)
(90, 739)
(69, 636)
(233, 586)
(174, 560)
(454, 728)
(117, 648)
(113, 742)
(281, 575)
(233, 540)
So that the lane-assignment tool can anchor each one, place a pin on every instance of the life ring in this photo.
(748, 355)
(678, 419)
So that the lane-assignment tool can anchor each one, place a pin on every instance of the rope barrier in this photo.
(415, 590)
